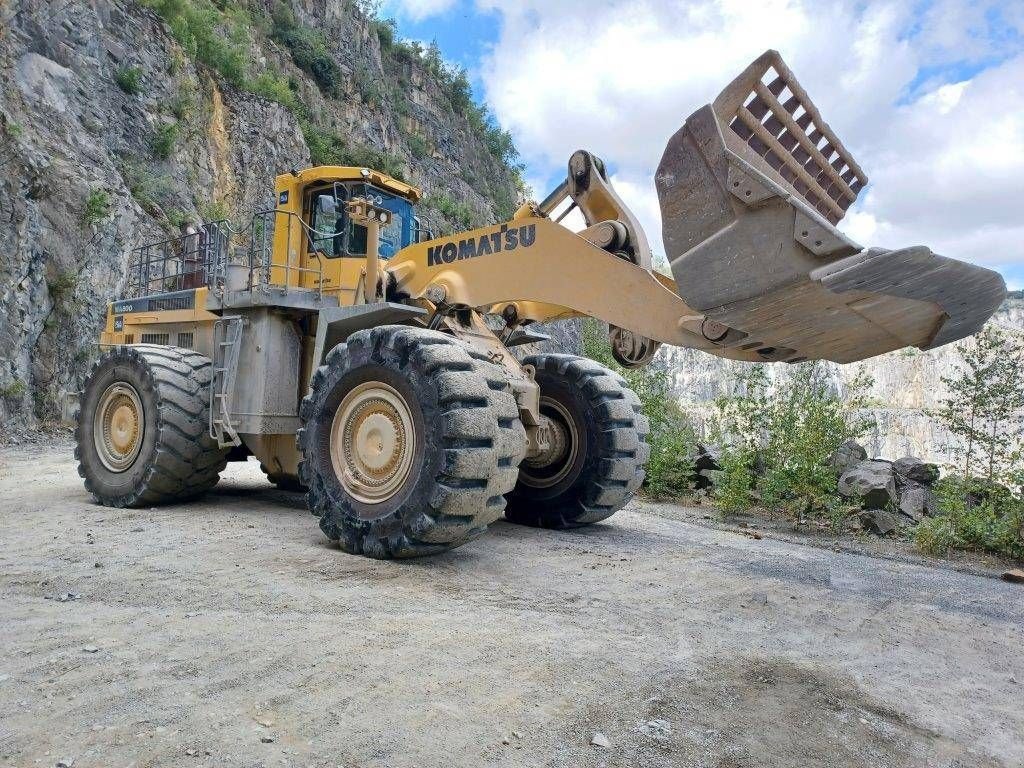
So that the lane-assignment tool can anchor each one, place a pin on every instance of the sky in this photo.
(927, 95)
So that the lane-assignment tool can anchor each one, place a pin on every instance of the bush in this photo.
(309, 50)
(97, 206)
(778, 441)
(163, 140)
(62, 287)
(182, 104)
(152, 191)
(977, 516)
(672, 438)
(217, 37)
(129, 80)
(275, 88)
(13, 391)
(418, 146)
(458, 213)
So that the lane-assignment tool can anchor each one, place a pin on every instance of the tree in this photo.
(985, 404)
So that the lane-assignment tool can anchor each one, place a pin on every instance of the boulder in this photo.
(706, 465)
(913, 469)
(917, 501)
(847, 456)
(879, 521)
(871, 483)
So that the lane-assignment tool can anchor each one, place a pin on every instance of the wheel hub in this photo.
(373, 438)
(552, 465)
(118, 426)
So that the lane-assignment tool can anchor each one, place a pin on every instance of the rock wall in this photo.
(906, 384)
(82, 181)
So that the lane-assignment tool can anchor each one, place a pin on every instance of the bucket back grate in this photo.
(771, 114)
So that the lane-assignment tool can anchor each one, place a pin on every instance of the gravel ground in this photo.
(227, 632)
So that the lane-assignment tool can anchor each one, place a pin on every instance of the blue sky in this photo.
(929, 96)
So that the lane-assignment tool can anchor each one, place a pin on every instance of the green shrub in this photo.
(13, 391)
(976, 515)
(129, 80)
(275, 88)
(789, 434)
(97, 206)
(152, 191)
(309, 50)
(458, 213)
(418, 146)
(162, 142)
(182, 104)
(672, 439)
(215, 36)
(62, 287)
(215, 210)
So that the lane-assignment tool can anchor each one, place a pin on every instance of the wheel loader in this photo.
(370, 363)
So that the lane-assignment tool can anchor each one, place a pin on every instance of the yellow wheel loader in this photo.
(359, 357)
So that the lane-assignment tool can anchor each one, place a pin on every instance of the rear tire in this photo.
(143, 428)
(410, 441)
(605, 448)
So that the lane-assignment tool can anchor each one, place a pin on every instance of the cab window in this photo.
(334, 234)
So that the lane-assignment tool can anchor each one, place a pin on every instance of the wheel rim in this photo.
(373, 438)
(551, 467)
(118, 426)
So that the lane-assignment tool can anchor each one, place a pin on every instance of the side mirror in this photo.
(326, 204)
(422, 235)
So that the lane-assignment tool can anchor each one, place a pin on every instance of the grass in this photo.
(215, 35)
(129, 80)
(97, 206)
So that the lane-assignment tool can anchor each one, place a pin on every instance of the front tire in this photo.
(410, 441)
(599, 451)
(143, 428)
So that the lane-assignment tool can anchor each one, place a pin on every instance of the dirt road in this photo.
(229, 633)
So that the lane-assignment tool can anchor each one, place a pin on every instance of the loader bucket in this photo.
(751, 190)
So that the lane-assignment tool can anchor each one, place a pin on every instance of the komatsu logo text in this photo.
(506, 239)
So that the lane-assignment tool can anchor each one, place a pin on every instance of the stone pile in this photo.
(890, 493)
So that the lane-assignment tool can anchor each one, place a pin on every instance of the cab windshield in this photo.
(335, 235)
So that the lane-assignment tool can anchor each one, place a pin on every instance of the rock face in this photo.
(906, 384)
(89, 167)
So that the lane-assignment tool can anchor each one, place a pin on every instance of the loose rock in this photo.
(873, 483)
(915, 470)
(879, 521)
(847, 456)
(600, 740)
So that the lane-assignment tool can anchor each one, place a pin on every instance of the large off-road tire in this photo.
(143, 427)
(598, 457)
(410, 441)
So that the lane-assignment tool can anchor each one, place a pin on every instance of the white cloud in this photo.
(418, 10)
(945, 153)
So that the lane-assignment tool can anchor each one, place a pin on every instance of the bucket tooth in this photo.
(751, 190)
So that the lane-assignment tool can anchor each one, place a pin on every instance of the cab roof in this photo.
(329, 173)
